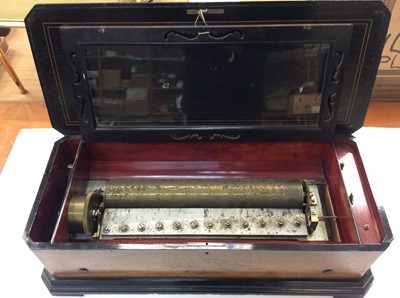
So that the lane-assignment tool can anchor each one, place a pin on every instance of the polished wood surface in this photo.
(18, 110)
(29, 111)
(277, 273)
(255, 160)
(15, 116)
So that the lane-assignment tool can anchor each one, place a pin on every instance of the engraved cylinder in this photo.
(204, 193)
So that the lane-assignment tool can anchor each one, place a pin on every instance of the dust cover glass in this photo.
(206, 84)
(245, 78)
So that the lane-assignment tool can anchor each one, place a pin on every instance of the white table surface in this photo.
(20, 179)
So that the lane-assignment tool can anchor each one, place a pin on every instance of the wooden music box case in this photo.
(207, 147)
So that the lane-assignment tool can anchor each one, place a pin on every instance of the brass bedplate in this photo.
(199, 207)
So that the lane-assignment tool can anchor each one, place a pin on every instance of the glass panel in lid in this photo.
(206, 84)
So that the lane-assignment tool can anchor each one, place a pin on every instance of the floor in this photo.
(29, 111)
(16, 110)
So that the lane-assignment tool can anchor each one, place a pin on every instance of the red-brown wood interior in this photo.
(339, 198)
(78, 183)
(52, 191)
(364, 206)
(274, 160)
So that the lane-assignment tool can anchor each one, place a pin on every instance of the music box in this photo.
(207, 147)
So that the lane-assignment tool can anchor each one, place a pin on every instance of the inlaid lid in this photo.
(215, 71)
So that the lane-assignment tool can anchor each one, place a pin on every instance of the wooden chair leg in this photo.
(11, 72)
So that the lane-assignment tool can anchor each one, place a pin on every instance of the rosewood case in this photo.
(219, 90)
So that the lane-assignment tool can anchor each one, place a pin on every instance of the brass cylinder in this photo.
(204, 193)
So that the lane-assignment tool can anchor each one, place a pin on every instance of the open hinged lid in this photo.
(235, 71)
